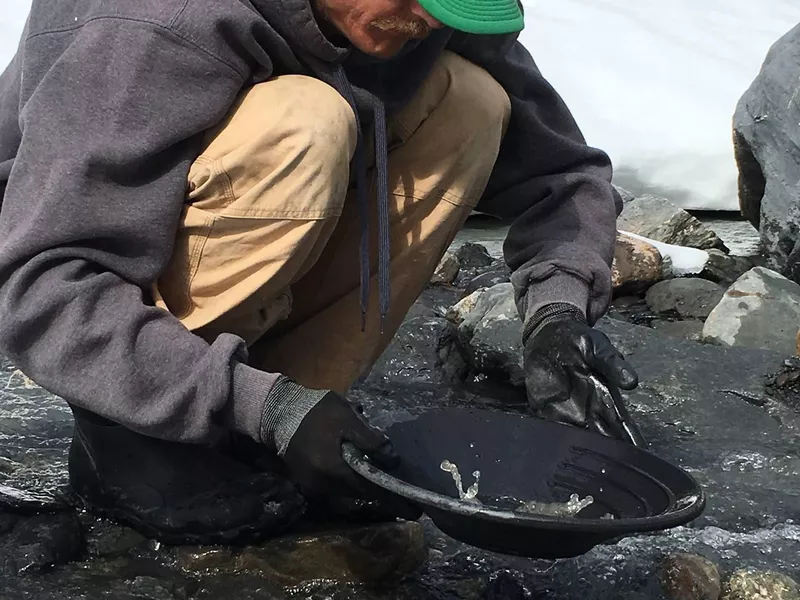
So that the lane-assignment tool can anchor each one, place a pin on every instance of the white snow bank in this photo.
(655, 83)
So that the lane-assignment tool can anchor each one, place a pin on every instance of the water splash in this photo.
(572, 507)
(472, 491)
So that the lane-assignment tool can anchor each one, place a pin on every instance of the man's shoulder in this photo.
(54, 17)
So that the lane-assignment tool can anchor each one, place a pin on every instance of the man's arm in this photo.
(88, 222)
(556, 187)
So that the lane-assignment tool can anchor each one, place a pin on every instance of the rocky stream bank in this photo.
(719, 396)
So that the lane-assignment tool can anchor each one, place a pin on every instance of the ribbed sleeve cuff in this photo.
(559, 289)
(285, 408)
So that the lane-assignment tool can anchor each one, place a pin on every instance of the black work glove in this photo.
(314, 460)
(573, 374)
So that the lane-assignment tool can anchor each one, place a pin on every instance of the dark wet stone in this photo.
(691, 330)
(473, 256)
(688, 298)
(27, 500)
(690, 577)
(39, 542)
(151, 588)
(784, 386)
(489, 333)
(725, 269)
(750, 584)
(107, 539)
(367, 555)
(506, 585)
(493, 275)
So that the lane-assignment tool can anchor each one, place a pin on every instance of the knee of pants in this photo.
(482, 103)
(283, 152)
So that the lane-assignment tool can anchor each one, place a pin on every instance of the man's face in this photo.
(379, 27)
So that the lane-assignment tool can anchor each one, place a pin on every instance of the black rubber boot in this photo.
(176, 493)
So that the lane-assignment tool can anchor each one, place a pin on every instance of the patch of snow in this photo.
(655, 83)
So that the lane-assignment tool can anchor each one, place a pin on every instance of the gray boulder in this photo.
(694, 298)
(766, 144)
(659, 219)
(489, 334)
(760, 310)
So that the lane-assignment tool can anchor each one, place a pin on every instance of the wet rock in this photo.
(365, 555)
(492, 276)
(28, 500)
(151, 588)
(34, 543)
(7, 466)
(108, 540)
(203, 558)
(659, 219)
(447, 270)
(760, 310)
(725, 269)
(637, 265)
(473, 256)
(691, 329)
(506, 585)
(689, 298)
(766, 138)
(489, 333)
(690, 577)
(750, 584)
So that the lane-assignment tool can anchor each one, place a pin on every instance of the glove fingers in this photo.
(602, 356)
(372, 442)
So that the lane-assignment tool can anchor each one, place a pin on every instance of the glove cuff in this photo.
(286, 406)
(557, 311)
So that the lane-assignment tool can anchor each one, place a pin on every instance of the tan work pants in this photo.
(268, 246)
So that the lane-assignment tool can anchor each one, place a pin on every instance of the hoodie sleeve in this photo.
(556, 188)
(88, 222)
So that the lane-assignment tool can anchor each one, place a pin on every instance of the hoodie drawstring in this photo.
(366, 100)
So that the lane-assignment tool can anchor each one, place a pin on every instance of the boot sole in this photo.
(247, 533)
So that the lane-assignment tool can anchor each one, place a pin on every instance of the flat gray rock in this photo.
(760, 310)
(689, 298)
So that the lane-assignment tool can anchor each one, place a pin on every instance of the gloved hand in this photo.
(314, 453)
(314, 460)
(573, 374)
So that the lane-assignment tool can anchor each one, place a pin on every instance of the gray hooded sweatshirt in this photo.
(102, 112)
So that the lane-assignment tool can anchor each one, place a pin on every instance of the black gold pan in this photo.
(522, 459)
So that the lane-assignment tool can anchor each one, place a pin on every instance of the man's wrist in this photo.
(549, 313)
